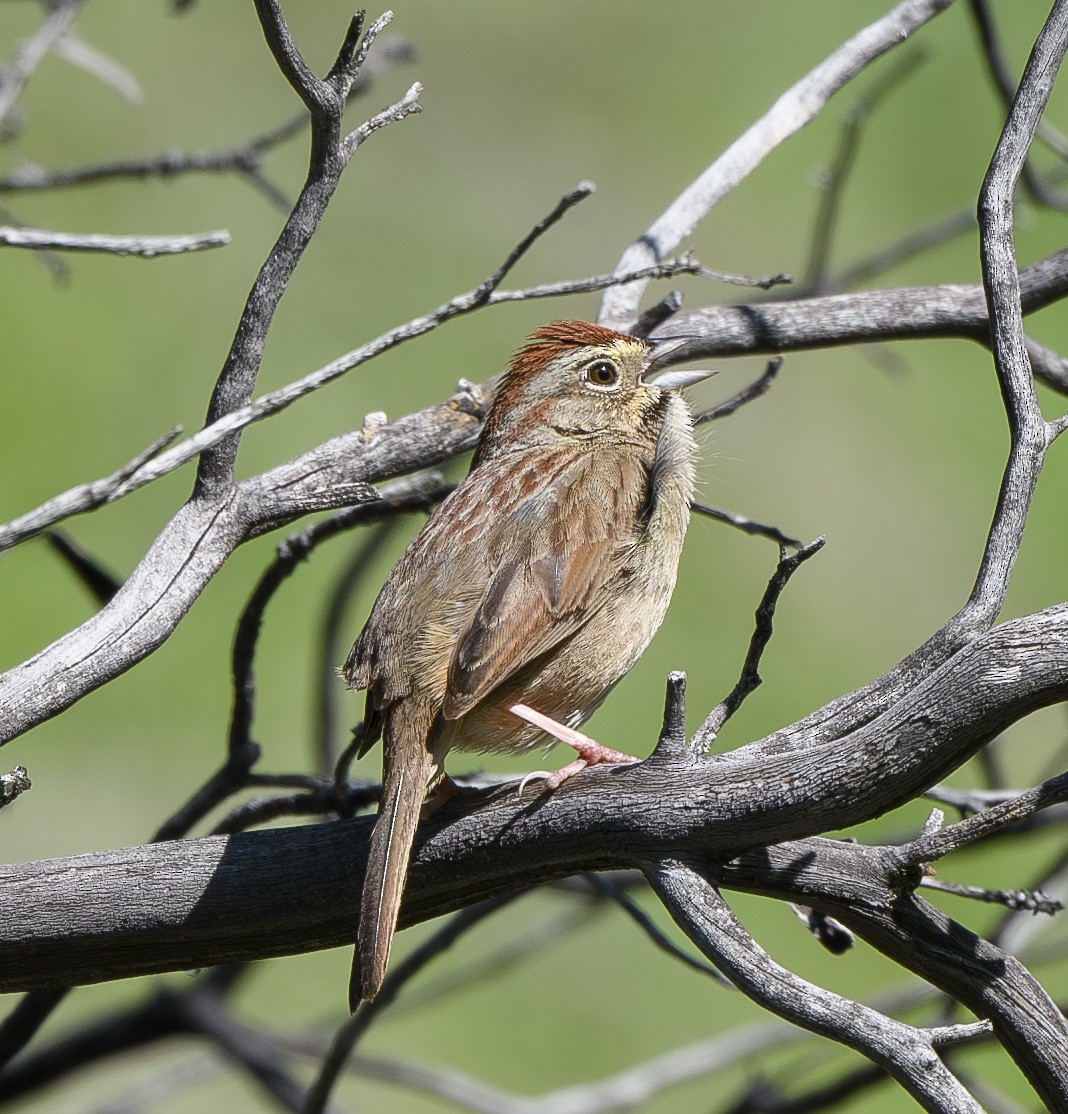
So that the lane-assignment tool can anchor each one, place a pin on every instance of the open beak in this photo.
(661, 351)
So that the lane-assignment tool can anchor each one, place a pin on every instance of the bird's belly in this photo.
(569, 682)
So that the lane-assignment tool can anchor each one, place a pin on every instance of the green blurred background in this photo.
(893, 452)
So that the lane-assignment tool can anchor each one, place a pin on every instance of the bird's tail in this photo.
(403, 792)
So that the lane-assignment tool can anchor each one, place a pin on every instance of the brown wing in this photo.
(555, 553)
(427, 599)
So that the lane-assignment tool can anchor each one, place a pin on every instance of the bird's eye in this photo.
(601, 373)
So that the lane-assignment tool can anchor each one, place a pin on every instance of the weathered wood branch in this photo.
(201, 902)
(201, 537)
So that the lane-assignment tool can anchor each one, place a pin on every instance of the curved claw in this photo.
(553, 778)
(534, 775)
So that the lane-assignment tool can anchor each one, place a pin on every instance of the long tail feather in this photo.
(387, 868)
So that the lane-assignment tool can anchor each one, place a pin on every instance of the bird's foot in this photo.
(590, 752)
(444, 791)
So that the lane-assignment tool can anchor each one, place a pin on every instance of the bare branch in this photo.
(905, 1052)
(200, 538)
(77, 500)
(33, 50)
(946, 840)
(296, 884)
(791, 112)
(750, 678)
(327, 160)
(755, 390)
(699, 821)
(901, 313)
(1030, 901)
(144, 247)
(1003, 287)
(406, 106)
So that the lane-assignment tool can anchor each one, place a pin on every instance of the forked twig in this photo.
(750, 678)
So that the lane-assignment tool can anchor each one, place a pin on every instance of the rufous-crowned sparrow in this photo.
(531, 591)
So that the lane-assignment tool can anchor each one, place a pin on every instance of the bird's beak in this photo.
(677, 380)
(663, 348)
(671, 380)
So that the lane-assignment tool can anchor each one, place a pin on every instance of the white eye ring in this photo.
(602, 374)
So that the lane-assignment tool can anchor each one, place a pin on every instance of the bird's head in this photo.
(574, 379)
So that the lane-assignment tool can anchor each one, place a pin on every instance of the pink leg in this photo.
(444, 791)
(591, 752)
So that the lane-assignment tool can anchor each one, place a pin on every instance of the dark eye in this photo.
(601, 373)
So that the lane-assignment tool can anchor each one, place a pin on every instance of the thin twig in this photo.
(33, 50)
(970, 800)
(911, 244)
(754, 391)
(750, 679)
(101, 582)
(25, 1019)
(1040, 191)
(638, 915)
(243, 158)
(838, 175)
(230, 778)
(746, 525)
(1030, 901)
(79, 499)
(935, 845)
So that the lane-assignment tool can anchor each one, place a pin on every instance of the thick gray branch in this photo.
(903, 313)
(864, 888)
(197, 903)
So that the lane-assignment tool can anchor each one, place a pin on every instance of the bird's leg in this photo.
(443, 792)
(590, 752)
